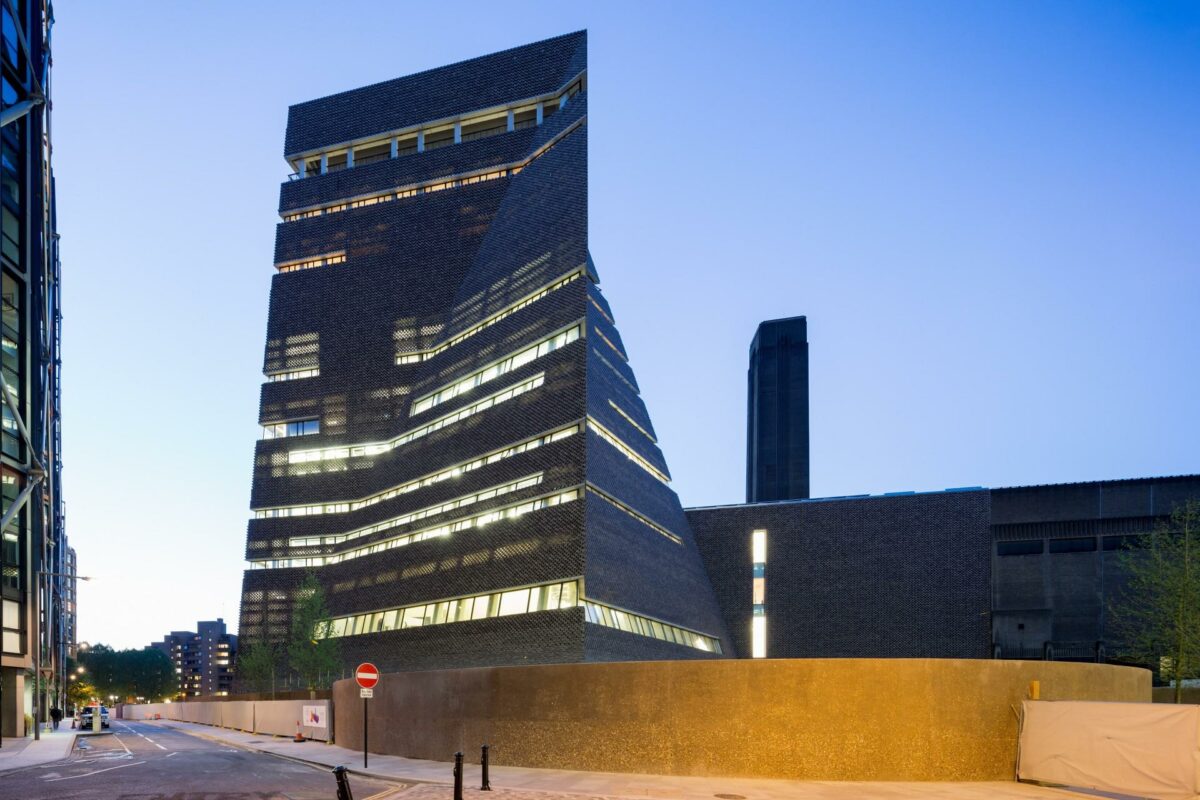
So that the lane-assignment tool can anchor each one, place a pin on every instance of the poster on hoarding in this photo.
(314, 717)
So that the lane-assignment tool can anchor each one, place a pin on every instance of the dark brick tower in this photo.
(454, 441)
(777, 412)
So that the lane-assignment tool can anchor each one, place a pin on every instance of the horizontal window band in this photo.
(613, 617)
(632, 422)
(326, 260)
(625, 450)
(477, 521)
(609, 342)
(417, 356)
(427, 187)
(603, 313)
(424, 513)
(503, 603)
(498, 368)
(293, 375)
(340, 507)
(377, 448)
(497, 112)
(625, 509)
(616, 372)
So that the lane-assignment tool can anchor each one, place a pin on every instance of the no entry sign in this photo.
(367, 675)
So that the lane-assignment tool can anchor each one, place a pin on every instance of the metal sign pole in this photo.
(365, 701)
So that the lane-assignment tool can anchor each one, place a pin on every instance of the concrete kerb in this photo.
(26, 760)
(246, 746)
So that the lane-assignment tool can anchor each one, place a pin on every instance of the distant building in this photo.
(204, 659)
(33, 551)
(777, 412)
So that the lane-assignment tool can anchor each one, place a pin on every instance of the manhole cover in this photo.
(731, 796)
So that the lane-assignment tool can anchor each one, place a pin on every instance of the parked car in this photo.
(88, 714)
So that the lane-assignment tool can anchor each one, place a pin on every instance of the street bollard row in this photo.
(343, 780)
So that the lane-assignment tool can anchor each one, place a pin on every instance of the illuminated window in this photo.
(479, 521)
(293, 374)
(610, 617)
(419, 483)
(507, 602)
(312, 263)
(497, 369)
(603, 495)
(300, 427)
(433, 141)
(758, 621)
(376, 448)
(610, 437)
(424, 513)
(632, 421)
(422, 355)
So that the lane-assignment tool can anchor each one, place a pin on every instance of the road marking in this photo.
(95, 772)
(159, 746)
(172, 754)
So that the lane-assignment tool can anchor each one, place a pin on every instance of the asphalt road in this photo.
(146, 762)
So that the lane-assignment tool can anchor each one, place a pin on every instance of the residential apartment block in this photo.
(204, 659)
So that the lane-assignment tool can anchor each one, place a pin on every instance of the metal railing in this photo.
(485, 133)
(466, 137)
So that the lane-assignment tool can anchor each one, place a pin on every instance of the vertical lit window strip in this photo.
(758, 622)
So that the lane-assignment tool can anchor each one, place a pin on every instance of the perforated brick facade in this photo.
(871, 577)
(455, 260)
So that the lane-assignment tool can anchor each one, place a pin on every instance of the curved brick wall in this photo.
(815, 719)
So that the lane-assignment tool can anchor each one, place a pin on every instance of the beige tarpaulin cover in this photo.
(1142, 749)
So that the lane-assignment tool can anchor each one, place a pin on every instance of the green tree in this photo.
(312, 652)
(150, 674)
(257, 666)
(1158, 615)
(80, 693)
(130, 673)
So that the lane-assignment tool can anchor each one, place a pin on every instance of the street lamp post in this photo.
(37, 651)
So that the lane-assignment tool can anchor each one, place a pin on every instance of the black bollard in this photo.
(486, 787)
(343, 782)
(458, 776)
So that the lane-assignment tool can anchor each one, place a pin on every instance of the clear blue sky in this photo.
(990, 213)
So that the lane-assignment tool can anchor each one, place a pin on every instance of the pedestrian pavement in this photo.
(525, 783)
(22, 753)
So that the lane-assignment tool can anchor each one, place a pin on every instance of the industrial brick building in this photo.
(453, 439)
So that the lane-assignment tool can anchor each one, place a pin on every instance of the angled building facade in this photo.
(453, 438)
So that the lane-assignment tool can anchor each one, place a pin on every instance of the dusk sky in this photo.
(989, 212)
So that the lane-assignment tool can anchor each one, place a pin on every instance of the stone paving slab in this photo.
(53, 746)
(432, 778)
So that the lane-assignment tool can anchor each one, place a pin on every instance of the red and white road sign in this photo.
(367, 675)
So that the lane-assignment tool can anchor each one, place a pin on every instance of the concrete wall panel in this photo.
(812, 719)
(279, 717)
(237, 714)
